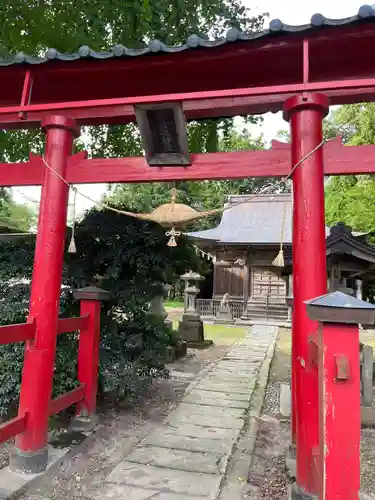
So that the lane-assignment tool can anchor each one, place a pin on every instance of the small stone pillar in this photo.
(191, 327)
(367, 373)
(339, 391)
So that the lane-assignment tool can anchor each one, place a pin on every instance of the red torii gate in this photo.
(301, 70)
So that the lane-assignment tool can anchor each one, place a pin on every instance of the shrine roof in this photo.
(257, 221)
(252, 222)
(276, 27)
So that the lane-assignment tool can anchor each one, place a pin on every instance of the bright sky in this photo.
(292, 12)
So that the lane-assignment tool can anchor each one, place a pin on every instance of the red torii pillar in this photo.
(305, 113)
(31, 454)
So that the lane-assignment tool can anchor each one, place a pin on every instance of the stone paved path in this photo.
(200, 450)
(187, 456)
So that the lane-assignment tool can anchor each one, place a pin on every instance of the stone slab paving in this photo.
(189, 455)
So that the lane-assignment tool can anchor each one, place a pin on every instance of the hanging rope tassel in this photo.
(72, 245)
(172, 234)
(279, 261)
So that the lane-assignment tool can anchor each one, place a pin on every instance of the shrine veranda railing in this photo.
(210, 307)
(26, 333)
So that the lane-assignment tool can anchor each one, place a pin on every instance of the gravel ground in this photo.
(4, 455)
(267, 480)
(271, 403)
(367, 462)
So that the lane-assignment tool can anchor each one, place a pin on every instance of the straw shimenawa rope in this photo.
(173, 215)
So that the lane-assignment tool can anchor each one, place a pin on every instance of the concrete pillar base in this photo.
(298, 494)
(29, 462)
(291, 463)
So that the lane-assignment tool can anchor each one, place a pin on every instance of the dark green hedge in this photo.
(132, 259)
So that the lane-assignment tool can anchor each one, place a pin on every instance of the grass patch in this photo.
(280, 367)
(224, 334)
(220, 334)
(174, 304)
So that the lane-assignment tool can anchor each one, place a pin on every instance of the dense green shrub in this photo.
(133, 261)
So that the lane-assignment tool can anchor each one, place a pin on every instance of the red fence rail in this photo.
(65, 400)
(12, 428)
(17, 333)
(67, 325)
(26, 331)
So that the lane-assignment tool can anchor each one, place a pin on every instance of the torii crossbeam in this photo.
(274, 162)
(300, 70)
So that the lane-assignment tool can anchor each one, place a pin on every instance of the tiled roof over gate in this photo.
(276, 28)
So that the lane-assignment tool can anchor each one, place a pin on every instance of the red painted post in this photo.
(292, 450)
(339, 387)
(88, 350)
(31, 454)
(339, 391)
(305, 113)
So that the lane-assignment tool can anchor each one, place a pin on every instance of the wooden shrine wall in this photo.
(258, 280)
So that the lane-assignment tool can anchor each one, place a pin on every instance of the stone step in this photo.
(266, 312)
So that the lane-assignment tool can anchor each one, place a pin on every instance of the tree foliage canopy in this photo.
(13, 216)
(351, 199)
(33, 26)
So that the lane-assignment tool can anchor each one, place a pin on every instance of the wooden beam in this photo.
(274, 162)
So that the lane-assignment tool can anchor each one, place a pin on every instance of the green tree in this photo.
(351, 199)
(33, 26)
(14, 216)
(355, 123)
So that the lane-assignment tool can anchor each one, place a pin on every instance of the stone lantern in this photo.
(191, 280)
(191, 327)
(157, 304)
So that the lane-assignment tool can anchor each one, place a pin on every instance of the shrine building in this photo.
(247, 240)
